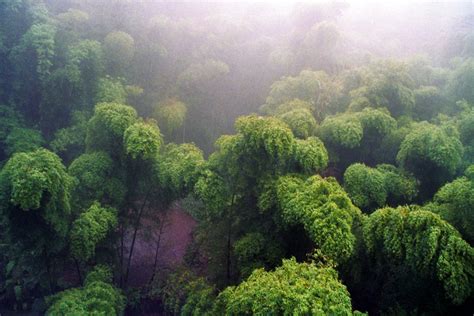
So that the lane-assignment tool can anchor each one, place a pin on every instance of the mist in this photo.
(236, 158)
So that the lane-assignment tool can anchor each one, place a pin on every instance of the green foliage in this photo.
(23, 140)
(9, 120)
(461, 85)
(364, 130)
(71, 139)
(376, 123)
(100, 273)
(311, 155)
(184, 293)
(142, 140)
(386, 84)
(111, 90)
(97, 297)
(370, 188)
(73, 19)
(209, 70)
(428, 102)
(293, 288)
(301, 122)
(423, 242)
(94, 179)
(455, 203)
(170, 114)
(430, 154)
(365, 186)
(320, 46)
(342, 130)
(119, 50)
(400, 186)
(108, 124)
(295, 104)
(37, 181)
(466, 133)
(179, 167)
(325, 211)
(212, 190)
(268, 134)
(256, 250)
(90, 229)
(40, 38)
(88, 56)
(313, 87)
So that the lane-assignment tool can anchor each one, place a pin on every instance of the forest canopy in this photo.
(176, 158)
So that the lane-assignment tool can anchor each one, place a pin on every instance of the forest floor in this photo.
(173, 238)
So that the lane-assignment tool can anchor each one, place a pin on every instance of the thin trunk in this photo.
(48, 270)
(121, 253)
(155, 264)
(229, 232)
(135, 231)
(228, 253)
(78, 268)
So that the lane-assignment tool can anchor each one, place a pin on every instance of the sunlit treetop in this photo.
(179, 167)
(423, 242)
(268, 134)
(214, 192)
(342, 130)
(429, 146)
(325, 211)
(97, 297)
(310, 155)
(108, 124)
(38, 182)
(143, 140)
(95, 180)
(365, 186)
(376, 122)
(401, 186)
(370, 188)
(301, 122)
(292, 288)
(262, 149)
(90, 229)
(364, 130)
(455, 203)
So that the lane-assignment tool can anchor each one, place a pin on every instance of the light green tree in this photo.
(292, 288)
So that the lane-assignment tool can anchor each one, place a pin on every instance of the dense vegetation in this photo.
(327, 160)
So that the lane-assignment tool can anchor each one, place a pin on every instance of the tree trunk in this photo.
(78, 268)
(155, 264)
(135, 231)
